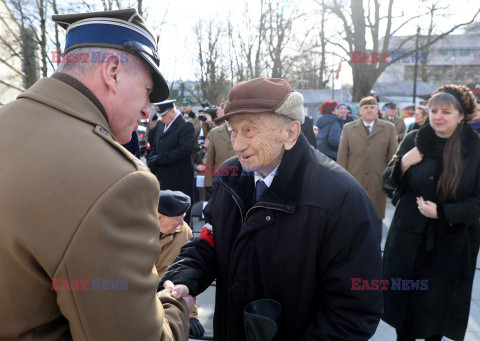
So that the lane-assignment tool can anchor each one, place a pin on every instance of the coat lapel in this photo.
(173, 127)
(224, 134)
(377, 127)
(360, 129)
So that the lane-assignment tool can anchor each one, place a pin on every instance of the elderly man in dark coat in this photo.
(270, 235)
(170, 157)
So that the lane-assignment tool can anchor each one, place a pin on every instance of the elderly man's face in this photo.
(133, 102)
(258, 141)
(169, 225)
(169, 116)
(391, 112)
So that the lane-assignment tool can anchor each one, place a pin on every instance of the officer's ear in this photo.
(292, 132)
(110, 71)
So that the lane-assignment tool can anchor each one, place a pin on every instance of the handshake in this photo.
(180, 291)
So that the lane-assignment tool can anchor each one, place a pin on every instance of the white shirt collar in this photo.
(369, 125)
(166, 127)
(268, 179)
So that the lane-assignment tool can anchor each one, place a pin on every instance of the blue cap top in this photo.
(123, 30)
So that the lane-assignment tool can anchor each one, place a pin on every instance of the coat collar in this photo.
(60, 96)
(284, 192)
(378, 126)
(428, 143)
(223, 133)
(173, 127)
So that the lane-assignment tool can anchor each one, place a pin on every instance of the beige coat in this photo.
(171, 245)
(79, 227)
(366, 157)
(399, 126)
(219, 149)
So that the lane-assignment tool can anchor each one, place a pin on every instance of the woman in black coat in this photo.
(432, 246)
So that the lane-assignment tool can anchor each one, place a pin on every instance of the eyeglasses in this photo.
(135, 46)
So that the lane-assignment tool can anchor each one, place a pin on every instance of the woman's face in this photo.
(342, 112)
(444, 119)
(420, 117)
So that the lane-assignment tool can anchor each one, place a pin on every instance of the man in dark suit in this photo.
(171, 154)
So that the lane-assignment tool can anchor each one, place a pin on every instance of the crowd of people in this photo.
(92, 249)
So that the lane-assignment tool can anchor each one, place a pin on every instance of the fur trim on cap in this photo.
(293, 107)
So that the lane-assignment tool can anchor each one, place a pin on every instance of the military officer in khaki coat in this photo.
(366, 147)
(391, 116)
(219, 149)
(78, 211)
(174, 232)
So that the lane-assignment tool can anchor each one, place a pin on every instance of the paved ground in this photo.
(206, 302)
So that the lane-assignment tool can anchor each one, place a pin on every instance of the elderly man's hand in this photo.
(181, 291)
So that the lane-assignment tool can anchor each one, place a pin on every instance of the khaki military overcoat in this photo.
(366, 157)
(79, 227)
(171, 245)
(399, 126)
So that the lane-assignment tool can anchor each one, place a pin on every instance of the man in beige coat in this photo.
(365, 151)
(391, 116)
(219, 149)
(174, 232)
(78, 211)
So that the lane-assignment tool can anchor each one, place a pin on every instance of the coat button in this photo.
(366, 173)
(267, 218)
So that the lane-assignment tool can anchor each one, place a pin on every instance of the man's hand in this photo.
(152, 161)
(411, 158)
(427, 208)
(181, 291)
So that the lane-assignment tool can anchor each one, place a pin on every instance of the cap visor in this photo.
(160, 88)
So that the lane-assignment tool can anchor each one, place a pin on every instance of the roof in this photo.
(402, 89)
(315, 97)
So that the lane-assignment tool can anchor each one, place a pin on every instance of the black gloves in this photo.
(152, 161)
(196, 328)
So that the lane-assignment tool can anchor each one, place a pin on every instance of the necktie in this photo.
(260, 190)
(367, 129)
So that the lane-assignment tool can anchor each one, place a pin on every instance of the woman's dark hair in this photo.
(452, 154)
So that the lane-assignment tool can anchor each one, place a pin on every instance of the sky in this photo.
(178, 47)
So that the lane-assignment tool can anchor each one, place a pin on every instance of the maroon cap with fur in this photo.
(264, 95)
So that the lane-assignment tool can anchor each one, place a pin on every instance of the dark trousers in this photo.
(401, 337)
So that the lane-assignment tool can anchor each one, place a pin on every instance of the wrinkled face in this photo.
(168, 117)
(258, 141)
(133, 102)
(444, 119)
(391, 112)
(369, 112)
(342, 112)
(420, 117)
(186, 108)
(169, 225)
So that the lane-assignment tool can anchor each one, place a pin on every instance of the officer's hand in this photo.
(152, 161)
(181, 291)
(196, 328)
